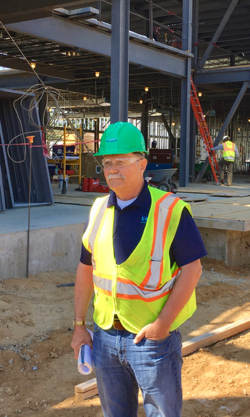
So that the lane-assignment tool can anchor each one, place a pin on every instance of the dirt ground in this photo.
(38, 372)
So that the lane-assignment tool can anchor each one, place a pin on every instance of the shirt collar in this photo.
(142, 200)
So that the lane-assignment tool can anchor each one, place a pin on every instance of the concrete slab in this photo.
(238, 188)
(42, 217)
(230, 214)
(74, 196)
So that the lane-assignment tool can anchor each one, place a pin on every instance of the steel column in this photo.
(119, 60)
(185, 95)
(9, 195)
(2, 200)
(100, 10)
(195, 39)
(218, 32)
(195, 32)
(225, 125)
(172, 139)
(144, 124)
(192, 147)
(151, 24)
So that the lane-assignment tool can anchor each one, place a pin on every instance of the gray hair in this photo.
(140, 155)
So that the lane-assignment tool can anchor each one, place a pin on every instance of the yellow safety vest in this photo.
(228, 151)
(137, 289)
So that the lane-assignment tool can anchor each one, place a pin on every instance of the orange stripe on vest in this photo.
(156, 214)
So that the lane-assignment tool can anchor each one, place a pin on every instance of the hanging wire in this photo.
(38, 91)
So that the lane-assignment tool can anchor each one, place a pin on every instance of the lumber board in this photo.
(86, 386)
(89, 388)
(85, 395)
(215, 336)
(86, 389)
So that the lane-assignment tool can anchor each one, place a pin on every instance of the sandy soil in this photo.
(38, 372)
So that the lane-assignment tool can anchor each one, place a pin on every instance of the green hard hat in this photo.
(121, 138)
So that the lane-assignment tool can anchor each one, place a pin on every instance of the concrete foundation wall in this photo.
(229, 246)
(238, 248)
(59, 248)
(50, 249)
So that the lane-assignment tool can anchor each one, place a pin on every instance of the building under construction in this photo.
(179, 70)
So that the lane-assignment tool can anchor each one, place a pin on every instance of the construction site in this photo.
(179, 71)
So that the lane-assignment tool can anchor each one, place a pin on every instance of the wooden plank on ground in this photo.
(89, 388)
(215, 336)
(86, 389)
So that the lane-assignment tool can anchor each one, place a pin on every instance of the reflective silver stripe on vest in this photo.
(158, 248)
(103, 283)
(131, 290)
(96, 225)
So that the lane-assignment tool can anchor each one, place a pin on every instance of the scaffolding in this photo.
(61, 160)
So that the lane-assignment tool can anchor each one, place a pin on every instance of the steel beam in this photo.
(224, 127)
(185, 95)
(119, 60)
(207, 29)
(224, 75)
(152, 55)
(51, 71)
(218, 32)
(24, 80)
(141, 38)
(232, 112)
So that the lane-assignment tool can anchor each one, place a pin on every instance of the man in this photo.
(228, 157)
(154, 144)
(140, 255)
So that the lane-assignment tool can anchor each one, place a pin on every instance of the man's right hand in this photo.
(80, 337)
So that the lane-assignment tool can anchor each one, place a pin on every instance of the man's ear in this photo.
(143, 164)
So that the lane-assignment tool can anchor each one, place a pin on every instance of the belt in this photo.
(117, 324)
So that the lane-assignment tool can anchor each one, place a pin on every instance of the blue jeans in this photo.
(122, 367)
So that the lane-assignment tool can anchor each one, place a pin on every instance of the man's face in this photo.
(124, 172)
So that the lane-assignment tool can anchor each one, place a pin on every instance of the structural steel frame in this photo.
(123, 47)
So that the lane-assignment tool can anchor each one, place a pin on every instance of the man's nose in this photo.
(113, 168)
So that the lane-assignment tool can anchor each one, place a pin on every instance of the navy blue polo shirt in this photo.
(129, 225)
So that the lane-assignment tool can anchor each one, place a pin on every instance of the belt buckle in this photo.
(117, 325)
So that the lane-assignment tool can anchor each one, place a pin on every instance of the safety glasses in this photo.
(118, 162)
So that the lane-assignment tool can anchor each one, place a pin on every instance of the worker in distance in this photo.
(229, 153)
(140, 256)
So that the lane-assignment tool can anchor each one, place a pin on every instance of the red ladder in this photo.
(203, 129)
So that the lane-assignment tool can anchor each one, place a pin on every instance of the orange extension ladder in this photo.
(203, 129)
